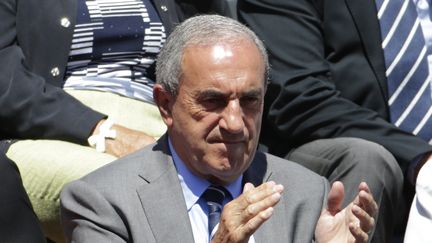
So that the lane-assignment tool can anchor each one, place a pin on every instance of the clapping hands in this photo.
(351, 224)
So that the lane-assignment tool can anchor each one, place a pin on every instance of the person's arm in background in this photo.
(304, 103)
(31, 108)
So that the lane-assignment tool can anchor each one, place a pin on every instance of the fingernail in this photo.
(278, 188)
(276, 196)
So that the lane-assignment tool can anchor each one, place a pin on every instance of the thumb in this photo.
(335, 197)
(248, 186)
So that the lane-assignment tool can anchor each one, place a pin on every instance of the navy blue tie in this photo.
(214, 196)
(407, 71)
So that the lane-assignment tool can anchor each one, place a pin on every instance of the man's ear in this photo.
(164, 101)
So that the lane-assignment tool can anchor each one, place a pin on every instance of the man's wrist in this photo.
(102, 131)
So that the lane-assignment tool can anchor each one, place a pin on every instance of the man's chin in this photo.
(223, 179)
(229, 172)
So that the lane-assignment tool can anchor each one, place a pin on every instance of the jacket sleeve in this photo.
(30, 107)
(88, 216)
(302, 101)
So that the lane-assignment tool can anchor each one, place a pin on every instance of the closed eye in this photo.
(212, 99)
(250, 101)
(213, 103)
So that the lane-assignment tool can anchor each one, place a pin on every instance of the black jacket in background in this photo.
(328, 75)
(33, 42)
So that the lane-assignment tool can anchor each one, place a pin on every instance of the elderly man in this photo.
(211, 80)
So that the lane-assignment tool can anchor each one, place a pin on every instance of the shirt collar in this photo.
(193, 186)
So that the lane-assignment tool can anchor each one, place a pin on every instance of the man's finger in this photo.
(367, 203)
(247, 187)
(245, 214)
(363, 187)
(359, 235)
(256, 208)
(254, 223)
(367, 222)
(335, 197)
(259, 193)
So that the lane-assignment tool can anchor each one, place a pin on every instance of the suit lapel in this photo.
(272, 230)
(162, 199)
(165, 208)
(364, 14)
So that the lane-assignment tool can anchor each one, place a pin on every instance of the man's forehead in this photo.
(221, 51)
(231, 54)
(221, 48)
(223, 67)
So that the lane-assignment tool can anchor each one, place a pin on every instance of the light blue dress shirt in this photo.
(193, 187)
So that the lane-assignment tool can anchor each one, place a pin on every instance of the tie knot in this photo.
(215, 194)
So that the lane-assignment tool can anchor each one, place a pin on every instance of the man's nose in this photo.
(232, 117)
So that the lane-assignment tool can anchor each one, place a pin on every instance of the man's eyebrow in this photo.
(214, 93)
(252, 93)
(210, 93)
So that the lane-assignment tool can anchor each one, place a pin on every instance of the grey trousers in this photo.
(353, 160)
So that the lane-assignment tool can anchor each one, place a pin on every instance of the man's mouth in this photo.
(237, 141)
